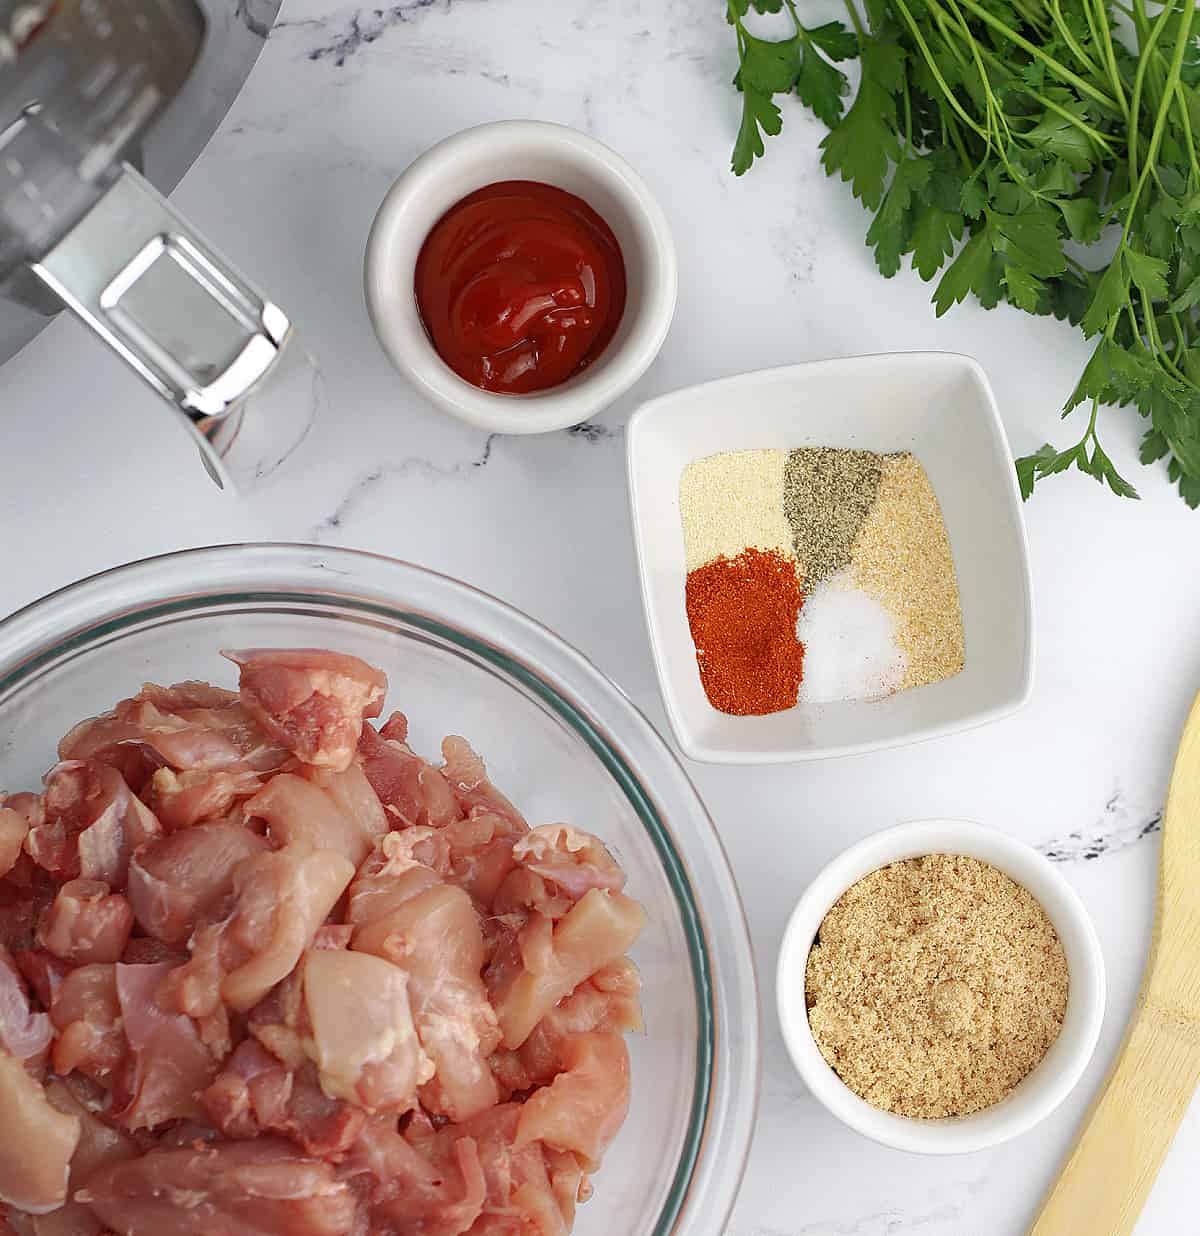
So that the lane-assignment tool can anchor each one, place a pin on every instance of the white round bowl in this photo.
(522, 150)
(1046, 1086)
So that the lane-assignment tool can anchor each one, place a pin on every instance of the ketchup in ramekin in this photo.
(520, 286)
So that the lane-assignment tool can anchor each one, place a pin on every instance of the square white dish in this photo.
(937, 405)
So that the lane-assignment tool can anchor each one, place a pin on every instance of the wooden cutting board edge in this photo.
(1125, 1137)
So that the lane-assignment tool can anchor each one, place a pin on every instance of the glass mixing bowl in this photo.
(558, 737)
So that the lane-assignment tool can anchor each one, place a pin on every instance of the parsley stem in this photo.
(907, 115)
(1074, 121)
(1055, 66)
(1139, 78)
(1089, 435)
(1138, 16)
(1185, 120)
(1069, 38)
(1135, 330)
(739, 30)
(1092, 31)
(1091, 429)
(947, 32)
(919, 38)
(993, 113)
(855, 20)
(1177, 327)
(1160, 352)
(1050, 105)
(948, 126)
(1160, 120)
(1031, 17)
(1107, 46)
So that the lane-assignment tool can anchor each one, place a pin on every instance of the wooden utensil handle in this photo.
(1110, 1172)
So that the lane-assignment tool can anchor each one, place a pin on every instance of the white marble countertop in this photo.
(773, 270)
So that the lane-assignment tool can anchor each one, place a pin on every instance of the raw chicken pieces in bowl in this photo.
(265, 968)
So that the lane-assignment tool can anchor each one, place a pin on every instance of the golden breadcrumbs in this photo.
(902, 557)
(935, 985)
(731, 502)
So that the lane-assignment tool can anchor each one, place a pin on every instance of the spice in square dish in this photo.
(878, 606)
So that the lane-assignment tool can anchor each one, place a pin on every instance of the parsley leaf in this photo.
(1154, 447)
(1111, 295)
(1030, 240)
(1029, 465)
(1189, 211)
(740, 8)
(1101, 467)
(890, 231)
(769, 66)
(821, 86)
(1158, 226)
(1082, 219)
(1057, 136)
(776, 66)
(834, 40)
(1024, 289)
(1148, 273)
(758, 113)
(934, 234)
(969, 272)
(944, 189)
(1189, 297)
(865, 143)
(973, 198)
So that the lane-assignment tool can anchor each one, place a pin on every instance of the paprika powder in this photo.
(742, 613)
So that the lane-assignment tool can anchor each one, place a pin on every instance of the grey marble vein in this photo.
(367, 483)
(592, 432)
(1121, 825)
(589, 114)
(256, 15)
(298, 23)
(890, 1222)
(368, 25)
(270, 461)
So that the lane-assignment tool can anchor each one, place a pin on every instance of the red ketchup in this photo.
(520, 285)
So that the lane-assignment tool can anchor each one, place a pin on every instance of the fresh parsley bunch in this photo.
(1046, 150)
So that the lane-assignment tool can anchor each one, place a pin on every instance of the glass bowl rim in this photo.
(68, 620)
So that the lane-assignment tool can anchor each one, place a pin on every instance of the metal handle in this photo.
(150, 287)
(202, 336)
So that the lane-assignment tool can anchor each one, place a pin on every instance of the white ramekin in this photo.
(522, 150)
(1046, 1086)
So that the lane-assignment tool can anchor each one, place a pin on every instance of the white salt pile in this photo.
(850, 649)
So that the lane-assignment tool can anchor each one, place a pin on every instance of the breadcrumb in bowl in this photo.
(902, 938)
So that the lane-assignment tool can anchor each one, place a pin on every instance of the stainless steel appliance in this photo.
(81, 83)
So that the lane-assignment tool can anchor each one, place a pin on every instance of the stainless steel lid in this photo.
(80, 82)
